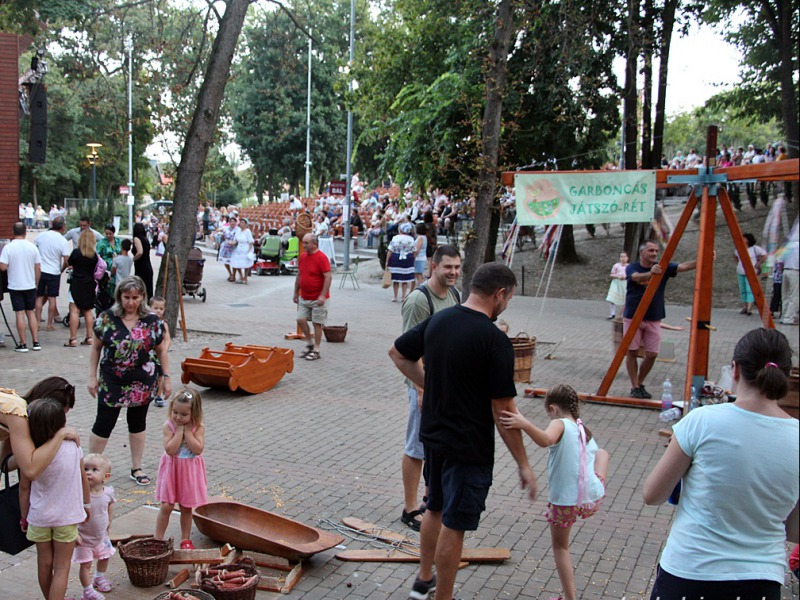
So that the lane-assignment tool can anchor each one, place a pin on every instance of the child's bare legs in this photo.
(162, 519)
(186, 522)
(560, 539)
(44, 564)
(61, 559)
(85, 574)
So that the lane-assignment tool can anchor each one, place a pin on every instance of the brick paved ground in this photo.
(327, 441)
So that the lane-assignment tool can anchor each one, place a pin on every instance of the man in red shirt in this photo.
(311, 292)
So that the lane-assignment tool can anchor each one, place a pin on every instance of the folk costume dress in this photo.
(401, 262)
(182, 478)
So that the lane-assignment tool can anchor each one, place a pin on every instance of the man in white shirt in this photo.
(74, 233)
(20, 259)
(54, 253)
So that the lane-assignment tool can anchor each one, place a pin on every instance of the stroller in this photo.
(193, 276)
(103, 300)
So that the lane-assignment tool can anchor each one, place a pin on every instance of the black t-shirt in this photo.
(468, 362)
(656, 310)
(82, 267)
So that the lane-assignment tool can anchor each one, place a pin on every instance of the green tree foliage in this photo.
(688, 130)
(766, 33)
(267, 99)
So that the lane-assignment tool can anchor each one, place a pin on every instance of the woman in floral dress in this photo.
(229, 245)
(128, 348)
(108, 248)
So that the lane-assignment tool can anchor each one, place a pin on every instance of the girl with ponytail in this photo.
(577, 471)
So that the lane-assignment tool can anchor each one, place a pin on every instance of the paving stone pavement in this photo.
(327, 441)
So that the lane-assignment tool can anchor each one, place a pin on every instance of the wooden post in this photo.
(164, 279)
(655, 280)
(179, 283)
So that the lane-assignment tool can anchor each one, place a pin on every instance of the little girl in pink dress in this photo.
(182, 471)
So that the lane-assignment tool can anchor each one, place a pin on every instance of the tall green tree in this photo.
(767, 37)
(268, 97)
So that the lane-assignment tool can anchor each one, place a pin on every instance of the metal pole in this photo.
(94, 182)
(308, 121)
(131, 195)
(348, 190)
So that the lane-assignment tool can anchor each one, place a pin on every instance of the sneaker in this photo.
(92, 594)
(636, 393)
(101, 583)
(37, 346)
(159, 401)
(421, 590)
(21, 348)
(644, 393)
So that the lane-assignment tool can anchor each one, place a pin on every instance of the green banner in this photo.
(583, 198)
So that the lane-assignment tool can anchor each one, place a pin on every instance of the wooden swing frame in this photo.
(709, 182)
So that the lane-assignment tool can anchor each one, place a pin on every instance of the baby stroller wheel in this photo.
(65, 321)
(202, 294)
(259, 271)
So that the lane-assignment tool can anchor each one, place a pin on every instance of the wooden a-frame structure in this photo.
(709, 184)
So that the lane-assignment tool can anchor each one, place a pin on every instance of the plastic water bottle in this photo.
(693, 403)
(671, 414)
(666, 395)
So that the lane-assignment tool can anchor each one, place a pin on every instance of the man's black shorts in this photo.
(23, 299)
(49, 285)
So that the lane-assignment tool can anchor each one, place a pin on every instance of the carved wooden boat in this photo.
(253, 369)
(249, 528)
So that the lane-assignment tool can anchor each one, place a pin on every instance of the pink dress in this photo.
(182, 478)
(94, 541)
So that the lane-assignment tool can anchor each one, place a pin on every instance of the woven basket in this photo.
(199, 594)
(335, 333)
(303, 225)
(524, 350)
(245, 592)
(147, 560)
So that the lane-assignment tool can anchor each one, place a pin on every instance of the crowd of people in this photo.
(737, 506)
(727, 157)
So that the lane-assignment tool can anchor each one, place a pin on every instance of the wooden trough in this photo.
(252, 369)
(251, 528)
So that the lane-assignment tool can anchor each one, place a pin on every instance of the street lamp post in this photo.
(92, 156)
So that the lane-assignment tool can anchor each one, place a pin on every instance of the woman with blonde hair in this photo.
(82, 287)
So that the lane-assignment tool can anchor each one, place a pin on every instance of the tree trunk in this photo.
(567, 253)
(647, 93)
(667, 25)
(476, 245)
(195, 153)
(630, 104)
(786, 40)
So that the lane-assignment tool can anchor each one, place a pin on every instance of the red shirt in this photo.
(312, 274)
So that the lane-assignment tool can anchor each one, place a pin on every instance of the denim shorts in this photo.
(458, 490)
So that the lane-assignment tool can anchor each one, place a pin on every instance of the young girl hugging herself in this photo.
(182, 471)
(577, 471)
(619, 285)
(157, 306)
(55, 502)
(93, 534)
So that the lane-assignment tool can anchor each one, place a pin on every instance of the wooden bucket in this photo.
(524, 350)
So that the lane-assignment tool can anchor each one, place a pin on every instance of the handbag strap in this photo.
(4, 468)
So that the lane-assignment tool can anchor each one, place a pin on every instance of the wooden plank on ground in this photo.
(471, 555)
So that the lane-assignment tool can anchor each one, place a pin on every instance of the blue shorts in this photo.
(458, 490)
(49, 285)
(413, 448)
(22, 300)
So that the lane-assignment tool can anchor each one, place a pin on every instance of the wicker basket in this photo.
(199, 594)
(245, 592)
(147, 561)
(303, 225)
(524, 350)
(335, 333)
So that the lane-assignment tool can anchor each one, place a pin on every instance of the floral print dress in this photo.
(129, 366)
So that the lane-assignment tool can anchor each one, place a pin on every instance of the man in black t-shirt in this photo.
(468, 379)
(648, 334)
